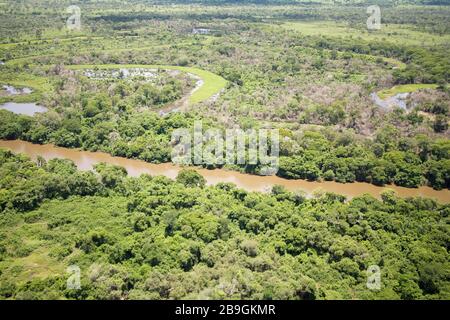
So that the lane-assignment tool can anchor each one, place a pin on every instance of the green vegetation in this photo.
(38, 84)
(406, 88)
(211, 83)
(306, 68)
(154, 238)
(319, 82)
(313, 155)
(392, 33)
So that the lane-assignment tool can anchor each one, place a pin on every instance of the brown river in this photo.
(85, 161)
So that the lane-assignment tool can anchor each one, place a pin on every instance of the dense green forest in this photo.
(155, 238)
(313, 155)
(351, 105)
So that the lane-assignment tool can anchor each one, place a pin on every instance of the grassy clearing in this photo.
(50, 40)
(32, 246)
(212, 83)
(394, 63)
(39, 85)
(383, 94)
(389, 33)
(37, 265)
(397, 63)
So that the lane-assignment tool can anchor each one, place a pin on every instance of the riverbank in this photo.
(85, 160)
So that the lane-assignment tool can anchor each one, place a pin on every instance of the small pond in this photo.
(29, 108)
(10, 90)
(398, 100)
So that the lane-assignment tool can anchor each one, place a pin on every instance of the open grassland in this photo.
(397, 34)
(406, 88)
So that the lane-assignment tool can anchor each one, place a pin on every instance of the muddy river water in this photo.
(85, 161)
